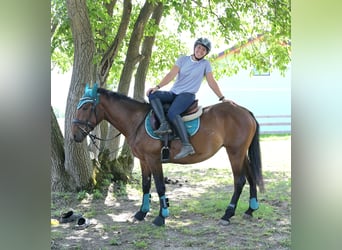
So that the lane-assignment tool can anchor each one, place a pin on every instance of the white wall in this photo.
(263, 95)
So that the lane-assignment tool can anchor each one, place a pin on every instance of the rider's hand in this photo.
(230, 101)
(151, 90)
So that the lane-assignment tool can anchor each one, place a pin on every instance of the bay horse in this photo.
(221, 125)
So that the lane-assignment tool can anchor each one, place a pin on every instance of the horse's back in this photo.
(228, 113)
(228, 122)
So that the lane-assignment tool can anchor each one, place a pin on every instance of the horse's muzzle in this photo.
(77, 138)
(78, 133)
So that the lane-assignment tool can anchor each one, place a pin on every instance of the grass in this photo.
(115, 242)
(195, 208)
(272, 137)
(270, 227)
(141, 244)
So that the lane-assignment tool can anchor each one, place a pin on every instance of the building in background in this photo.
(266, 94)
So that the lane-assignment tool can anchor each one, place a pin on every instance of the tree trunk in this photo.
(77, 159)
(108, 57)
(60, 179)
(102, 74)
(133, 57)
(146, 50)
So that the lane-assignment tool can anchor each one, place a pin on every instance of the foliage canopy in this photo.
(226, 23)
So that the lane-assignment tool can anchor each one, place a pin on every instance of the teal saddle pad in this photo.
(191, 126)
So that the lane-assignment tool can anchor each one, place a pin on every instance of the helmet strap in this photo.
(198, 59)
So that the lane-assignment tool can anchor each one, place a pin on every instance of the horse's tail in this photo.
(254, 156)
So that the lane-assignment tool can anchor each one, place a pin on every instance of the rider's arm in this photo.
(214, 86)
(169, 76)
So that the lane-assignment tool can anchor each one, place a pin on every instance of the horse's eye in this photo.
(85, 107)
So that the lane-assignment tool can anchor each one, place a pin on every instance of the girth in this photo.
(189, 111)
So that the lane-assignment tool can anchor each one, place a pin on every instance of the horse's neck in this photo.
(124, 116)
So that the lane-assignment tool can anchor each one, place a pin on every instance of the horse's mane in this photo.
(117, 96)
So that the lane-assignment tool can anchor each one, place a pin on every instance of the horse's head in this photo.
(86, 116)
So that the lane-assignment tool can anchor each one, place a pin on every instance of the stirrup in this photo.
(165, 154)
(165, 151)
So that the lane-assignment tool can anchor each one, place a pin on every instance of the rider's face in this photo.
(200, 51)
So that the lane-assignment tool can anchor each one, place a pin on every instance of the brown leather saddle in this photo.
(191, 110)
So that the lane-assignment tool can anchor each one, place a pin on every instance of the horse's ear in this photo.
(94, 93)
(86, 88)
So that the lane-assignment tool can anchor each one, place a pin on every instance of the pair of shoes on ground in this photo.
(82, 223)
(70, 216)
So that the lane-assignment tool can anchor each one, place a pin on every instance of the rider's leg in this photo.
(156, 103)
(159, 111)
(187, 148)
(178, 106)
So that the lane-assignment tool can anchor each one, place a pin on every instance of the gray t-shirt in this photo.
(190, 75)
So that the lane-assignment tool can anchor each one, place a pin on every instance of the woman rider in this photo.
(190, 71)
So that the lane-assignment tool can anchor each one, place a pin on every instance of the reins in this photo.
(93, 139)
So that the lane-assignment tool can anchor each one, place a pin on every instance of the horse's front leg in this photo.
(163, 200)
(146, 187)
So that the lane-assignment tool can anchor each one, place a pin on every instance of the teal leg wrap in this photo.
(164, 206)
(145, 207)
(253, 204)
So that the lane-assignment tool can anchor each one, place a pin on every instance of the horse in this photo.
(221, 125)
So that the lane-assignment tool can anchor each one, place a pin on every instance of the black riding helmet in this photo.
(204, 42)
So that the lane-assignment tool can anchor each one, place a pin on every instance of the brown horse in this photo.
(221, 125)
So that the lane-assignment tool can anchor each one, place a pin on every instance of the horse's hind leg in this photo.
(239, 182)
(146, 187)
(253, 199)
(163, 200)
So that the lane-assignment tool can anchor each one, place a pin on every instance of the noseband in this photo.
(89, 126)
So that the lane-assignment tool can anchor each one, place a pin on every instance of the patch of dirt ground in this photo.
(198, 198)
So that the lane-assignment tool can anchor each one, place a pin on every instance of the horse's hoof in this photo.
(247, 216)
(159, 221)
(140, 216)
(224, 222)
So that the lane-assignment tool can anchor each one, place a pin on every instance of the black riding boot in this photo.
(158, 109)
(187, 148)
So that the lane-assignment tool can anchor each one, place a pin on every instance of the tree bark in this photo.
(60, 179)
(77, 159)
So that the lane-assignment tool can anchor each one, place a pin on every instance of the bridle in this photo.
(89, 126)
